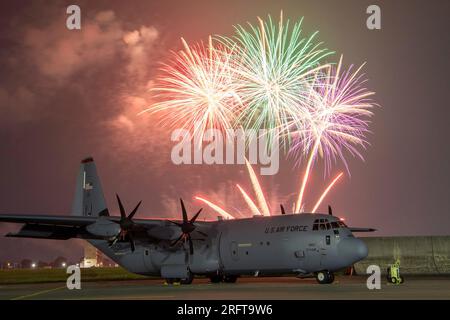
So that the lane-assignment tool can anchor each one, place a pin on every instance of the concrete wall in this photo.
(418, 255)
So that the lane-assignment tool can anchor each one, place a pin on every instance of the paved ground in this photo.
(245, 288)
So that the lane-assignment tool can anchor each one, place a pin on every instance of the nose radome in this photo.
(352, 249)
(361, 249)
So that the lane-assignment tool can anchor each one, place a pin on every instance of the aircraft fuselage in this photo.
(261, 245)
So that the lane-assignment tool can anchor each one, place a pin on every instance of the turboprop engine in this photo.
(104, 228)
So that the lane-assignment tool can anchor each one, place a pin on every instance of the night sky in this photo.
(65, 95)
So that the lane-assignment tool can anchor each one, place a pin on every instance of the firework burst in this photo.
(197, 92)
(274, 64)
(336, 121)
(271, 77)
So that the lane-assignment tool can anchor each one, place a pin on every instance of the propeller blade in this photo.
(176, 241)
(176, 223)
(282, 209)
(202, 233)
(113, 242)
(122, 210)
(131, 215)
(196, 216)
(330, 211)
(183, 210)
(191, 245)
(133, 247)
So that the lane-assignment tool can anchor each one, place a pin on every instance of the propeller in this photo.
(282, 209)
(126, 225)
(187, 227)
(330, 211)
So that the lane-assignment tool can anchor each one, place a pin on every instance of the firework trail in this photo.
(197, 92)
(215, 207)
(249, 201)
(324, 194)
(336, 120)
(258, 190)
(273, 64)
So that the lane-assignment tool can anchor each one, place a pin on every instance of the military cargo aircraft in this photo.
(302, 244)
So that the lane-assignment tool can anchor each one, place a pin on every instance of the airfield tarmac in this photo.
(290, 288)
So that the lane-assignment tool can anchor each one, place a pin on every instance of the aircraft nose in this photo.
(352, 249)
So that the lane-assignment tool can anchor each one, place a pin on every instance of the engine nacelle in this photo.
(104, 228)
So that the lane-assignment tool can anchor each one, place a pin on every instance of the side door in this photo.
(147, 257)
(234, 251)
(312, 259)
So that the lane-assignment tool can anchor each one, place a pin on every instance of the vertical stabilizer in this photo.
(89, 199)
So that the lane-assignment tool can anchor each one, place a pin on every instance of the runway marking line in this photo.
(37, 293)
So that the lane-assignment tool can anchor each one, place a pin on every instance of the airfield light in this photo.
(33, 265)
(63, 264)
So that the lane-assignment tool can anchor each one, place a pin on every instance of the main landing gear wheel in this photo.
(324, 277)
(171, 280)
(216, 278)
(188, 280)
(230, 279)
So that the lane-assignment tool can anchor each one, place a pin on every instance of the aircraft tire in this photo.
(330, 277)
(322, 277)
(325, 277)
(230, 279)
(188, 280)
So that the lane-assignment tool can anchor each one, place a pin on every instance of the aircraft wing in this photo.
(48, 219)
(67, 227)
(355, 229)
(48, 226)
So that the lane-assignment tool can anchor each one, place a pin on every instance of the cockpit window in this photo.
(342, 224)
(323, 224)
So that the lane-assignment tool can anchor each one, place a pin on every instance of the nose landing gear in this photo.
(324, 277)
